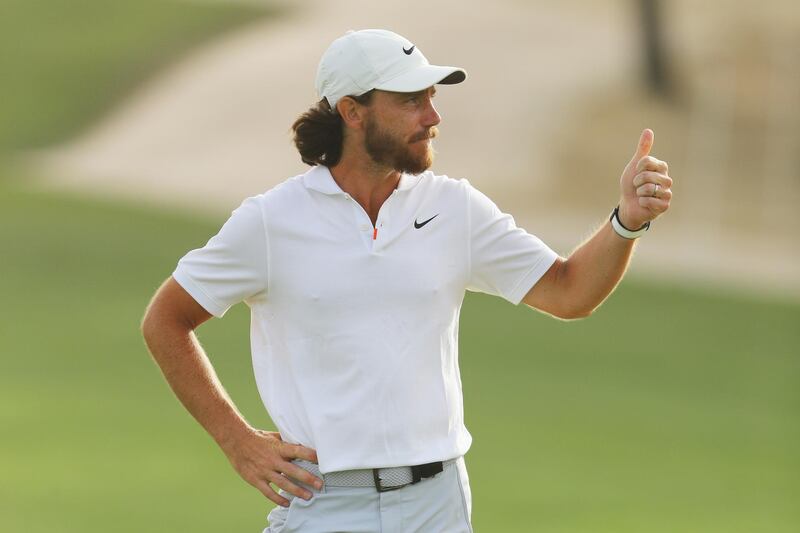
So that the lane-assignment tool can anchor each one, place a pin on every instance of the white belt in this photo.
(383, 479)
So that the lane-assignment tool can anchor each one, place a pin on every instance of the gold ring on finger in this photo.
(655, 191)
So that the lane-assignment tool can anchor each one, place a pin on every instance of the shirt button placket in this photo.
(360, 216)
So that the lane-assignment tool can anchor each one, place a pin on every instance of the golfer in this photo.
(355, 273)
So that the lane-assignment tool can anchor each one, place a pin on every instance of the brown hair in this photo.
(319, 132)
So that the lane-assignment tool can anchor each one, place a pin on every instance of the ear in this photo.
(353, 114)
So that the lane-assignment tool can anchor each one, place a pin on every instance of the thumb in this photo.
(645, 144)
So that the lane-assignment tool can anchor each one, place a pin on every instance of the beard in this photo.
(388, 150)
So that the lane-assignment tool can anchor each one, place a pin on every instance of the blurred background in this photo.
(130, 130)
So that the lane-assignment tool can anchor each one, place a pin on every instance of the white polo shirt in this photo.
(354, 329)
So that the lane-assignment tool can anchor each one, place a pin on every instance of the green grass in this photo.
(66, 62)
(669, 410)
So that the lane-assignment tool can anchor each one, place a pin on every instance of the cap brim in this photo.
(423, 77)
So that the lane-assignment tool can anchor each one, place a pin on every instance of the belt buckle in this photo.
(381, 488)
(418, 473)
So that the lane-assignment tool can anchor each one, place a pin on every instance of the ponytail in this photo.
(319, 132)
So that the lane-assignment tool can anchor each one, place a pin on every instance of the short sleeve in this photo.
(232, 266)
(505, 260)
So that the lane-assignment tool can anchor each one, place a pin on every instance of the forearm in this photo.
(594, 269)
(189, 373)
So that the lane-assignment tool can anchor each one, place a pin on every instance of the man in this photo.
(355, 273)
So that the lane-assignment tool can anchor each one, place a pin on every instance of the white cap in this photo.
(360, 61)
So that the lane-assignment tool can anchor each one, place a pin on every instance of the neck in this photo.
(365, 181)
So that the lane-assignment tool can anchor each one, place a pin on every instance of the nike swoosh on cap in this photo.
(408, 52)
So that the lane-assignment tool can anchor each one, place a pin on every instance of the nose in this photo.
(432, 117)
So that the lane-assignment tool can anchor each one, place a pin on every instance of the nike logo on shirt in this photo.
(420, 224)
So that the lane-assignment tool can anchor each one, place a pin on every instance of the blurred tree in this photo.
(655, 58)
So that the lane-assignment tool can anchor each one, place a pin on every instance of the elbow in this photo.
(148, 325)
(565, 310)
(569, 303)
(153, 323)
(574, 313)
(584, 313)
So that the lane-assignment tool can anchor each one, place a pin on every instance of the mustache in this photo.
(425, 135)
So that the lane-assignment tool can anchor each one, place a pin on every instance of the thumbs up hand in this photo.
(645, 186)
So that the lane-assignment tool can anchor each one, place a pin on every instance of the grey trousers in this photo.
(439, 504)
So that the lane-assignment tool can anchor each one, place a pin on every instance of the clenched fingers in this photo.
(653, 184)
(656, 205)
(652, 177)
(654, 190)
(651, 163)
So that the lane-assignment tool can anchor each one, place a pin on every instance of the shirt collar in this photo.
(407, 181)
(320, 179)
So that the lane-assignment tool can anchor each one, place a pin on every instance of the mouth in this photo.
(425, 136)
